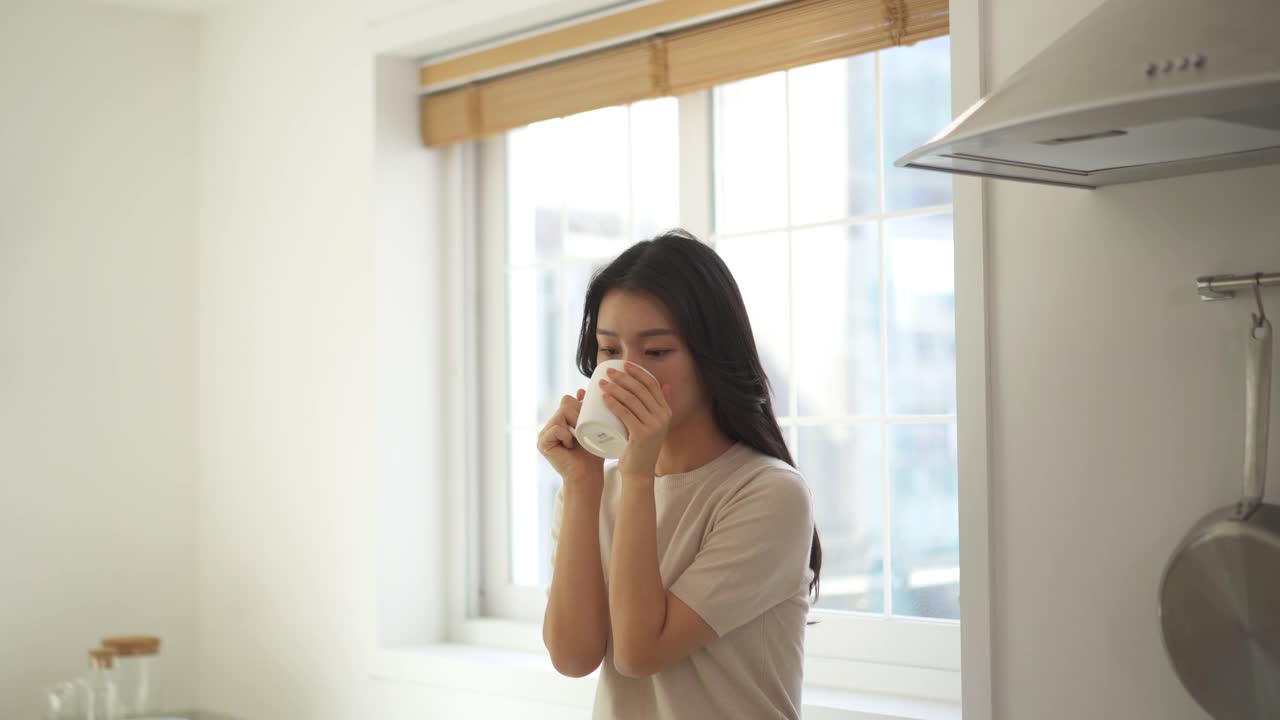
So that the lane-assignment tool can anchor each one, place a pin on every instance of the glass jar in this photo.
(136, 657)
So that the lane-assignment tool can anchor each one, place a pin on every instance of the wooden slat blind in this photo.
(611, 77)
(745, 45)
(634, 22)
(793, 35)
(452, 116)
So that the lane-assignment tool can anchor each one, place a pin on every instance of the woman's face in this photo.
(635, 326)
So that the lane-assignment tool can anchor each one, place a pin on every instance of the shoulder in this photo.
(765, 473)
(766, 481)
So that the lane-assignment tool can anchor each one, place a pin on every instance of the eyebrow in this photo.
(643, 333)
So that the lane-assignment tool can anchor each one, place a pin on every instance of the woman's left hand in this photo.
(641, 404)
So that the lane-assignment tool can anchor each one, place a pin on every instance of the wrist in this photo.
(640, 478)
(592, 479)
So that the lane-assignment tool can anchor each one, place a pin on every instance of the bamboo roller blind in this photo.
(745, 45)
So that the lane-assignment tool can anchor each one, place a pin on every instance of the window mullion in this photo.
(886, 481)
(793, 400)
(494, 531)
(696, 177)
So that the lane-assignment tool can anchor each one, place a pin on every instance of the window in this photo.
(857, 333)
(859, 341)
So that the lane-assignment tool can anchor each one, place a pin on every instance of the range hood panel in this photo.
(1139, 89)
(1172, 140)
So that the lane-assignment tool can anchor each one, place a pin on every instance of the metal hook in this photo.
(1261, 317)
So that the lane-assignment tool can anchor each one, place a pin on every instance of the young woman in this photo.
(686, 566)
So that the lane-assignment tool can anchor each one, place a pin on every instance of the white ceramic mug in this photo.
(598, 429)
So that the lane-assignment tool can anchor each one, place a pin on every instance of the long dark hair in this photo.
(693, 282)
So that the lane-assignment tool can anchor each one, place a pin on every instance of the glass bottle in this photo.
(62, 702)
(98, 697)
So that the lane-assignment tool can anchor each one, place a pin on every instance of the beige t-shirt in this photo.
(733, 544)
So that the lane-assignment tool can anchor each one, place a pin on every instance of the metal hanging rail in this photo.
(1221, 287)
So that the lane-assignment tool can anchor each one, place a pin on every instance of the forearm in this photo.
(637, 600)
(576, 625)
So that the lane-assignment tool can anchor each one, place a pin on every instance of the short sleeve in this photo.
(557, 517)
(755, 554)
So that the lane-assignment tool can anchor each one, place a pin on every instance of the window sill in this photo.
(527, 675)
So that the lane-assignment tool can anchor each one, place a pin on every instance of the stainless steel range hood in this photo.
(1138, 90)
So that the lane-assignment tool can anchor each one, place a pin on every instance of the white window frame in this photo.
(914, 657)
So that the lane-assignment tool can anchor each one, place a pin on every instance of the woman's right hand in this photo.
(558, 445)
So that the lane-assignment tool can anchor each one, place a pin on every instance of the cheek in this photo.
(682, 388)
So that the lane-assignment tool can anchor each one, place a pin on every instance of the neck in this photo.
(692, 444)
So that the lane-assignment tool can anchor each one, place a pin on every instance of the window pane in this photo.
(751, 154)
(833, 140)
(577, 275)
(535, 193)
(594, 153)
(916, 93)
(535, 350)
(926, 522)
(655, 167)
(837, 312)
(843, 466)
(759, 265)
(920, 294)
(608, 177)
(533, 493)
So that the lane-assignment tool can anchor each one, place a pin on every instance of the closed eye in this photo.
(651, 353)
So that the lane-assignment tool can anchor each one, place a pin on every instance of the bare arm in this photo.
(652, 628)
(575, 628)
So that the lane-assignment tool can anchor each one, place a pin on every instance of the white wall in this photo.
(409, 366)
(1117, 408)
(97, 340)
(286, 343)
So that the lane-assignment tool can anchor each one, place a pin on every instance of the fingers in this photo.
(571, 406)
(553, 436)
(559, 429)
(656, 391)
(567, 412)
(632, 393)
(624, 413)
(646, 380)
(565, 437)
